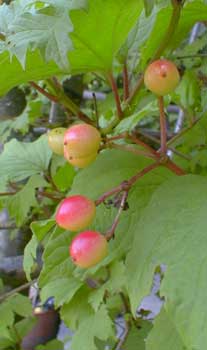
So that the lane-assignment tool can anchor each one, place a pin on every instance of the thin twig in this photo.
(125, 82)
(127, 184)
(128, 323)
(49, 178)
(66, 101)
(50, 195)
(179, 154)
(16, 290)
(132, 150)
(135, 139)
(143, 144)
(136, 88)
(44, 92)
(124, 337)
(191, 56)
(110, 233)
(7, 193)
(155, 140)
(182, 132)
(174, 168)
(116, 95)
(96, 110)
(7, 227)
(117, 137)
(163, 126)
(141, 173)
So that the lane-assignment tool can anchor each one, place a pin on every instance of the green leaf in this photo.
(56, 277)
(63, 178)
(6, 314)
(56, 258)
(42, 227)
(16, 305)
(62, 289)
(189, 90)
(20, 160)
(30, 256)
(99, 325)
(5, 340)
(24, 326)
(20, 204)
(45, 26)
(95, 50)
(21, 305)
(137, 337)
(175, 236)
(49, 33)
(137, 37)
(164, 333)
(191, 13)
(195, 137)
(127, 124)
(12, 73)
(52, 345)
(115, 284)
(78, 309)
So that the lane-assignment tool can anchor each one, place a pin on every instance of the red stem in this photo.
(174, 168)
(142, 173)
(143, 144)
(116, 95)
(163, 126)
(125, 82)
(44, 92)
(126, 185)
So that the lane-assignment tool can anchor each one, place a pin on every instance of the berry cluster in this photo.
(80, 144)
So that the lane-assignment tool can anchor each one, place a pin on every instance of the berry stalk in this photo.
(163, 126)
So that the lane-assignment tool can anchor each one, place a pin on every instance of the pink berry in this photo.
(81, 144)
(161, 77)
(88, 248)
(56, 140)
(75, 213)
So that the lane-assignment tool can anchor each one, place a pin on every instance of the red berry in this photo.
(81, 144)
(161, 77)
(56, 140)
(88, 248)
(75, 213)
